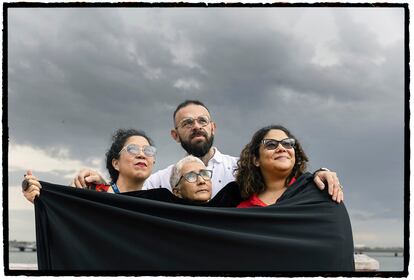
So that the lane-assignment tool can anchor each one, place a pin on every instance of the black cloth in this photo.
(147, 231)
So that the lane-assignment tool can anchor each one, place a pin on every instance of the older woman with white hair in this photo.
(191, 180)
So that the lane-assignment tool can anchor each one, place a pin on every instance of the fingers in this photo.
(336, 187)
(318, 182)
(33, 190)
(329, 178)
(332, 181)
(76, 182)
(29, 180)
(340, 196)
(95, 179)
(79, 180)
(335, 193)
(25, 184)
(33, 181)
(31, 195)
(87, 177)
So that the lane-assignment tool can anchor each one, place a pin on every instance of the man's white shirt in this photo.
(223, 167)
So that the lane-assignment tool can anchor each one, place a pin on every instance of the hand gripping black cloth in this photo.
(147, 231)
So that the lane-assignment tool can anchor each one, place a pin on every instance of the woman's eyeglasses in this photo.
(135, 150)
(192, 176)
(271, 144)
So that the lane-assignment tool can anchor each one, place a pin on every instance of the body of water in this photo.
(387, 260)
(26, 257)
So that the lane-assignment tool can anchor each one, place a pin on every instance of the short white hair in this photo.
(176, 170)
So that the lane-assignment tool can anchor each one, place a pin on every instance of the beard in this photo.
(198, 149)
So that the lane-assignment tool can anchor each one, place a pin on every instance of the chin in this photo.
(142, 176)
(203, 199)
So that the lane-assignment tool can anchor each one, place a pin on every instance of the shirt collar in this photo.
(217, 157)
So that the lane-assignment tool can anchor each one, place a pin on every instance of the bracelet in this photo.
(320, 169)
(101, 187)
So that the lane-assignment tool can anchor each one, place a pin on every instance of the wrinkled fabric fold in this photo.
(83, 230)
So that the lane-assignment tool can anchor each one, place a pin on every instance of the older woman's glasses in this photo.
(271, 144)
(135, 150)
(189, 122)
(192, 176)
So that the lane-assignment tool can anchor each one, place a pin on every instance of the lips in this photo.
(198, 134)
(281, 157)
(203, 191)
(141, 164)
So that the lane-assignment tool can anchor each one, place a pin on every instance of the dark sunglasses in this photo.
(271, 144)
(192, 176)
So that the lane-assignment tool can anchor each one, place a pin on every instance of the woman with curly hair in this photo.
(311, 232)
(268, 165)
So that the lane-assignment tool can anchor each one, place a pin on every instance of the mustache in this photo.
(198, 133)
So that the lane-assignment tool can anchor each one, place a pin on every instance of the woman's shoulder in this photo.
(304, 189)
(228, 196)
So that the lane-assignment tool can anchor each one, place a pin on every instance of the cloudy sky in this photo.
(334, 76)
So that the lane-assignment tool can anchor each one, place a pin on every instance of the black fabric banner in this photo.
(152, 231)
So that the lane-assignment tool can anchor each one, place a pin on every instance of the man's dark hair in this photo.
(118, 141)
(186, 103)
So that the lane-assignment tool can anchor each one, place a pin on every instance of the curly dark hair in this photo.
(118, 141)
(249, 177)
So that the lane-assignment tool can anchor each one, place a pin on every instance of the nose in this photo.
(280, 148)
(140, 154)
(196, 125)
(200, 180)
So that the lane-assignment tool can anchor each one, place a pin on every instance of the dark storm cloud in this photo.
(75, 75)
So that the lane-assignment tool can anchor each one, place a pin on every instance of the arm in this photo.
(324, 175)
(87, 177)
(159, 179)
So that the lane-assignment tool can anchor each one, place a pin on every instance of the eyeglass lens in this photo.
(191, 177)
(134, 150)
(189, 122)
(271, 144)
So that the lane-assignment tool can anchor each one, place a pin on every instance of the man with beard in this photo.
(194, 130)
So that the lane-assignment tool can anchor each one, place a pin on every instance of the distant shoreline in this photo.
(397, 249)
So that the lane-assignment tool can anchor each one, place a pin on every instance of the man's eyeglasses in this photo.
(192, 176)
(135, 150)
(189, 122)
(271, 144)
